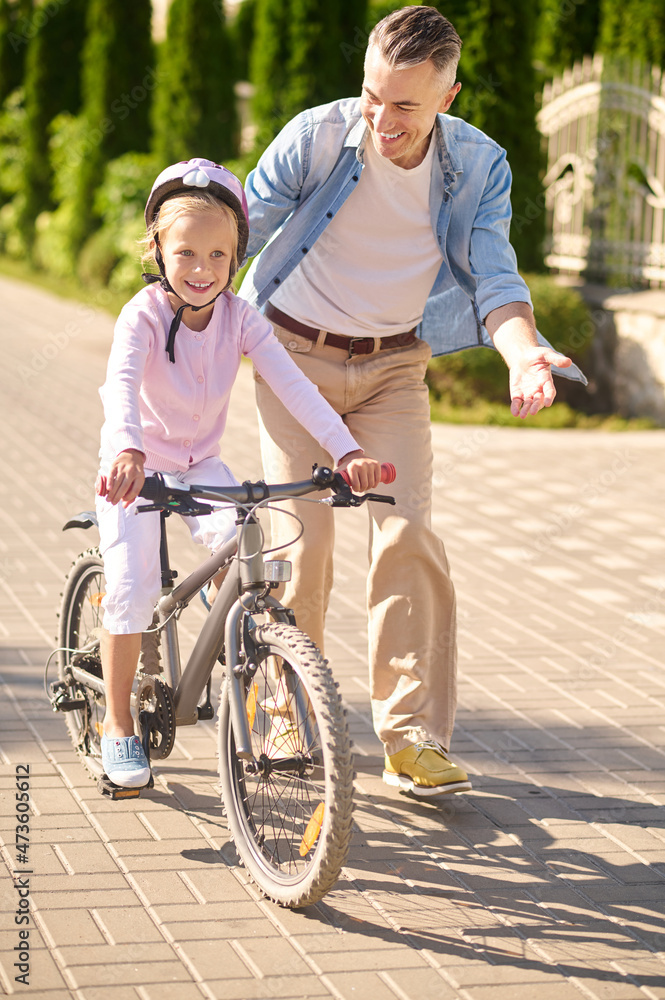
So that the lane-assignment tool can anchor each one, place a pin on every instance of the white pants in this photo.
(129, 543)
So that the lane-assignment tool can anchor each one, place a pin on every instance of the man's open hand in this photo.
(531, 383)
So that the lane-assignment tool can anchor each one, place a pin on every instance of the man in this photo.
(388, 226)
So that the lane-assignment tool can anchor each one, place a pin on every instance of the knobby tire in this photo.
(80, 623)
(296, 720)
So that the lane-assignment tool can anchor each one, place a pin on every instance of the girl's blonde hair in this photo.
(182, 204)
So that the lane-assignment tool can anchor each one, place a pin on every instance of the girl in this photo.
(176, 351)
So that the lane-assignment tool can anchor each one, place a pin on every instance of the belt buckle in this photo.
(357, 340)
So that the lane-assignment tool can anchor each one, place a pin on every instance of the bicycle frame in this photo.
(285, 761)
(244, 591)
(222, 624)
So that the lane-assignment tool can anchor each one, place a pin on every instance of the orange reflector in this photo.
(313, 830)
(96, 599)
(100, 729)
(250, 703)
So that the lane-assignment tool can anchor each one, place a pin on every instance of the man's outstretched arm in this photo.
(513, 330)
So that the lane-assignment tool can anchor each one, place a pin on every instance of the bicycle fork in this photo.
(253, 581)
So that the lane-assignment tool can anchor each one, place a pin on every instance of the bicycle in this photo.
(285, 762)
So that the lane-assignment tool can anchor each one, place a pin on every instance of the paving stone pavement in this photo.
(547, 881)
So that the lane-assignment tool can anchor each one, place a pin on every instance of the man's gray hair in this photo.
(412, 35)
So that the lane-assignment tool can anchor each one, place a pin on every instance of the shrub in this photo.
(111, 256)
(12, 160)
(97, 258)
(51, 248)
(562, 316)
(12, 138)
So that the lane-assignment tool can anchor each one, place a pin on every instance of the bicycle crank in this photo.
(155, 711)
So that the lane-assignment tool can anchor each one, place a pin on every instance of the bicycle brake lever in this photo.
(345, 497)
(184, 507)
(189, 508)
(354, 500)
(338, 500)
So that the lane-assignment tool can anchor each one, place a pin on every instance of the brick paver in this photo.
(547, 881)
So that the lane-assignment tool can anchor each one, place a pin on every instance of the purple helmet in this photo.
(190, 176)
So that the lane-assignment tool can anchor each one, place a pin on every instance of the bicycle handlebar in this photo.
(162, 488)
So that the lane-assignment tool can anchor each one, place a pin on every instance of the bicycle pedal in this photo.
(113, 791)
(58, 692)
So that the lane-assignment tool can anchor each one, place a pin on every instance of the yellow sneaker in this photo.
(425, 770)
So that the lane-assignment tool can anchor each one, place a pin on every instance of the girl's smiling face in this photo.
(198, 249)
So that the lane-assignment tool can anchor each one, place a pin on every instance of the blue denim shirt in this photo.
(313, 165)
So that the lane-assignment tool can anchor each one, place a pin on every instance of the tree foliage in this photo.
(498, 96)
(567, 31)
(117, 83)
(242, 37)
(194, 112)
(16, 29)
(304, 54)
(58, 40)
(268, 68)
(634, 29)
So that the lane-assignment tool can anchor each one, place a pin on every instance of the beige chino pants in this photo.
(410, 598)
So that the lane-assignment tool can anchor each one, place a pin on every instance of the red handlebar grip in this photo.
(387, 473)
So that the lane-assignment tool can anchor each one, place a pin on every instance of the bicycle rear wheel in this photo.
(79, 636)
(289, 810)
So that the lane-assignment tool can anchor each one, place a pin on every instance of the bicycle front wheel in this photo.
(79, 639)
(289, 810)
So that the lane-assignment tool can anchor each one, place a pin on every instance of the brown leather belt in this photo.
(352, 345)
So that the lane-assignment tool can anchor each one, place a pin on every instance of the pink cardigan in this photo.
(176, 413)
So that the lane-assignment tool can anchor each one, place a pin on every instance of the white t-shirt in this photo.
(371, 270)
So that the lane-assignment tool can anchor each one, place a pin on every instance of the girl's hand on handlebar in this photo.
(363, 473)
(125, 478)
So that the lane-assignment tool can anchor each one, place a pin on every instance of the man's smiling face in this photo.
(400, 107)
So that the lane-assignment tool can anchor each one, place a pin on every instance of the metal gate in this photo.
(604, 125)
